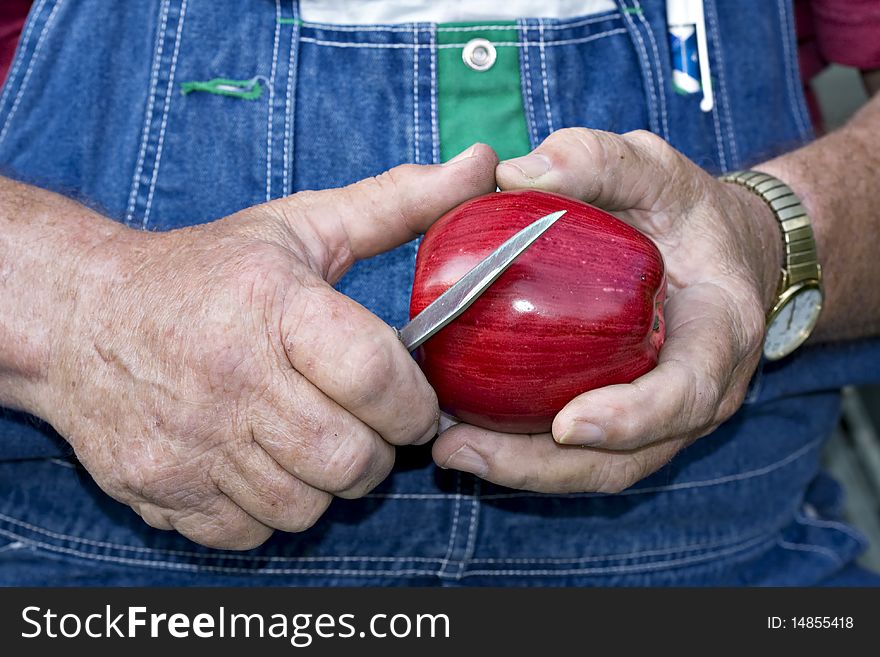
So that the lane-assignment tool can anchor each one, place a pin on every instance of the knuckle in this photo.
(388, 185)
(307, 513)
(248, 538)
(731, 403)
(152, 515)
(350, 465)
(290, 209)
(377, 473)
(309, 428)
(372, 371)
(227, 532)
(150, 479)
(629, 427)
(414, 418)
(272, 498)
(592, 142)
(645, 138)
(566, 136)
(653, 147)
(571, 145)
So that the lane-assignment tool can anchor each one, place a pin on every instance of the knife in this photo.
(454, 301)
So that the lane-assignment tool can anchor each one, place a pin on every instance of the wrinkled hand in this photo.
(212, 379)
(722, 250)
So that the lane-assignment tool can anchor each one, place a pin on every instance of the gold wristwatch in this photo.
(799, 296)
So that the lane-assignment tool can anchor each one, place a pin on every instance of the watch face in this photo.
(793, 323)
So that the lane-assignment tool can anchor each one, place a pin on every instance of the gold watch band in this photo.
(801, 262)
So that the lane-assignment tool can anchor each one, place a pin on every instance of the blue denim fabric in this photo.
(93, 108)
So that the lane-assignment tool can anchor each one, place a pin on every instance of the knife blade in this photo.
(455, 300)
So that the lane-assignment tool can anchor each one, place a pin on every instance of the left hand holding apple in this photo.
(722, 249)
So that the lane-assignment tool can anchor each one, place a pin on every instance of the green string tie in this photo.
(243, 89)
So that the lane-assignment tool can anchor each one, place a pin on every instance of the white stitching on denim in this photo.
(526, 72)
(558, 42)
(23, 44)
(719, 140)
(63, 464)
(30, 69)
(657, 552)
(200, 555)
(169, 565)
(472, 527)
(188, 567)
(646, 64)
(435, 128)
(419, 496)
(787, 32)
(271, 112)
(477, 28)
(630, 568)
(550, 26)
(413, 496)
(724, 99)
(165, 111)
(454, 529)
(547, 111)
(830, 524)
(287, 183)
(416, 93)
(685, 485)
(403, 27)
(791, 73)
(806, 547)
(587, 21)
(148, 115)
(353, 44)
(232, 556)
(661, 82)
(329, 27)
(498, 44)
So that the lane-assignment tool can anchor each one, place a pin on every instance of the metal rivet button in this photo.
(479, 54)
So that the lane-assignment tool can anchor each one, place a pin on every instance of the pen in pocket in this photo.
(690, 51)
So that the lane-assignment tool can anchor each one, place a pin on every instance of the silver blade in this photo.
(454, 301)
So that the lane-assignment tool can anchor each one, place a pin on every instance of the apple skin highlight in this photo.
(581, 308)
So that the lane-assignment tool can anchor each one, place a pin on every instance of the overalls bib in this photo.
(93, 108)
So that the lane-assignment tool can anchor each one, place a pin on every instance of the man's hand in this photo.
(212, 379)
(722, 251)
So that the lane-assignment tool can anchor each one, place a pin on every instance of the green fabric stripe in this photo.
(485, 106)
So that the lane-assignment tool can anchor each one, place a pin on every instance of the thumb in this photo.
(341, 226)
(615, 172)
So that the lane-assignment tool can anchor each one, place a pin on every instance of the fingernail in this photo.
(531, 166)
(583, 433)
(447, 422)
(467, 460)
(464, 155)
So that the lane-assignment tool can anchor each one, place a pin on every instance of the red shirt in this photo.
(12, 15)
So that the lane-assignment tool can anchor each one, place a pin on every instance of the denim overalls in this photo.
(93, 108)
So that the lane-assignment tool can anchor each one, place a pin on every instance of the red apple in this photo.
(582, 308)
